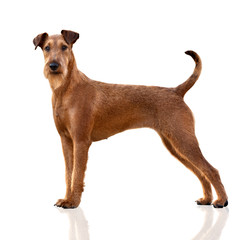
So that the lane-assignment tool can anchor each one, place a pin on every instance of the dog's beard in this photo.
(55, 79)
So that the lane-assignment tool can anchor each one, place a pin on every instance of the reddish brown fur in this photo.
(86, 111)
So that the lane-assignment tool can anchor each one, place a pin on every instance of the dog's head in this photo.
(57, 50)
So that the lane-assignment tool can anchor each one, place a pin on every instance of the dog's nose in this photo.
(54, 66)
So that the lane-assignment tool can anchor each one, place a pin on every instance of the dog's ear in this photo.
(39, 40)
(69, 36)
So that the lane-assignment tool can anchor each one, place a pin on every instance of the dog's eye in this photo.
(47, 48)
(64, 47)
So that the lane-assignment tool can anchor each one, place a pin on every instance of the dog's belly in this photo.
(110, 130)
(106, 126)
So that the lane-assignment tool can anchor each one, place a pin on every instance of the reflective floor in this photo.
(213, 224)
(115, 222)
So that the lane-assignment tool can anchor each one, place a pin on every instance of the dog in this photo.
(87, 111)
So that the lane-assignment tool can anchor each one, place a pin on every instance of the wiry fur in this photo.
(86, 111)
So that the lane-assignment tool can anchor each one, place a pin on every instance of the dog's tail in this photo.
(184, 87)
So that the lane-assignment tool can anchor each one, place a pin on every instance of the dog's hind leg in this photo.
(207, 190)
(182, 139)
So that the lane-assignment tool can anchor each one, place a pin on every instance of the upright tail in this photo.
(184, 87)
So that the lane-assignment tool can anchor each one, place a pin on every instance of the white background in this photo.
(134, 188)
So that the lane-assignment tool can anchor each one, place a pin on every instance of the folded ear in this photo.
(69, 36)
(39, 40)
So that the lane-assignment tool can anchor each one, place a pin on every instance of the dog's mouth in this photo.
(55, 73)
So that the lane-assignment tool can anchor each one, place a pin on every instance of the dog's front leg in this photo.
(67, 147)
(80, 157)
(79, 167)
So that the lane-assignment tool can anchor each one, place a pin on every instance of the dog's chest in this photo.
(61, 117)
(60, 114)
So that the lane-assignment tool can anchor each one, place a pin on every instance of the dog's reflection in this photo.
(78, 229)
(211, 230)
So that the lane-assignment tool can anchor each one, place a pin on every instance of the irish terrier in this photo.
(86, 111)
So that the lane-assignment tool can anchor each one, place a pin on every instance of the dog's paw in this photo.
(66, 203)
(203, 201)
(220, 204)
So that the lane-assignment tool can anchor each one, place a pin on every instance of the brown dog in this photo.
(86, 111)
